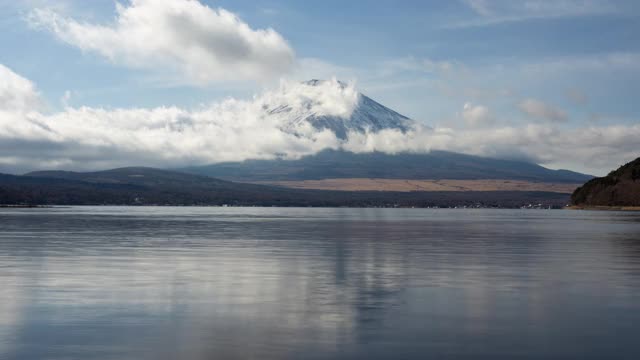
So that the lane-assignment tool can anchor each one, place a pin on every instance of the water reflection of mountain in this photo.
(277, 283)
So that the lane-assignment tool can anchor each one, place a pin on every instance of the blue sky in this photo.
(573, 63)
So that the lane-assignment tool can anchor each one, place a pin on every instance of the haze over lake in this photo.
(278, 283)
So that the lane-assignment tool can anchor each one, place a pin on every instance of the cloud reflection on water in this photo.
(277, 283)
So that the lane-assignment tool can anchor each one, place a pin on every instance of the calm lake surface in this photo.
(273, 283)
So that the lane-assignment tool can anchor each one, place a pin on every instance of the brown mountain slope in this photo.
(620, 188)
(406, 185)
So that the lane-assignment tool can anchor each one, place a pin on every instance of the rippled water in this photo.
(268, 283)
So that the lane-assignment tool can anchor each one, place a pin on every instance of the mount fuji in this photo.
(337, 107)
(329, 114)
(356, 112)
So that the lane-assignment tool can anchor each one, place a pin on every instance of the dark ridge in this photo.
(620, 188)
(341, 164)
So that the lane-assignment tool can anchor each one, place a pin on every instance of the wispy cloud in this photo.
(411, 63)
(492, 12)
(541, 110)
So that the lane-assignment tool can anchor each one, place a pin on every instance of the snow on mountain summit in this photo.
(330, 105)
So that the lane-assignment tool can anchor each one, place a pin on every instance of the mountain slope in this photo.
(156, 186)
(331, 164)
(146, 186)
(140, 176)
(620, 188)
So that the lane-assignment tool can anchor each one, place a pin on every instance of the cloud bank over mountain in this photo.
(233, 130)
(196, 41)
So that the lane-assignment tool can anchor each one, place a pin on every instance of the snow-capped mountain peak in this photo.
(331, 105)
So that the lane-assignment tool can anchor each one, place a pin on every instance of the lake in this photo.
(302, 283)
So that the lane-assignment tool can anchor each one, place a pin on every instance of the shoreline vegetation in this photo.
(26, 206)
(570, 207)
(603, 208)
(389, 206)
(620, 190)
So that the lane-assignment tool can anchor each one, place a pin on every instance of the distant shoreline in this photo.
(23, 206)
(435, 207)
(604, 208)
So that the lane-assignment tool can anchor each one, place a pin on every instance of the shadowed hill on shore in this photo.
(621, 188)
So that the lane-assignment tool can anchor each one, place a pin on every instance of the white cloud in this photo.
(269, 125)
(88, 137)
(476, 115)
(198, 42)
(538, 109)
(592, 149)
(16, 92)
